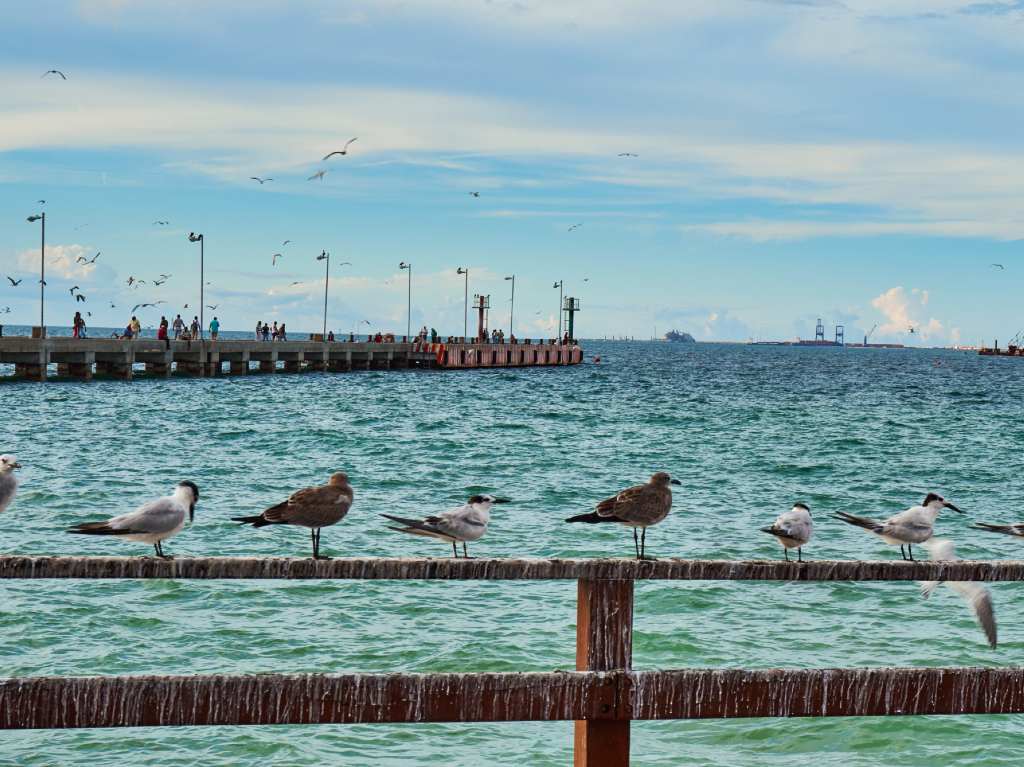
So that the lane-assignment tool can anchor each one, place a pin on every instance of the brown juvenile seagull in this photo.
(312, 507)
(640, 506)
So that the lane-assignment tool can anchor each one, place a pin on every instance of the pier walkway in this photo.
(32, 358)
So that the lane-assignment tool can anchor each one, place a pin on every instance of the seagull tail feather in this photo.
(867, 524)
(591, 517)
(97, 528)
(1004, 529)
(769, 530)
(257, 521)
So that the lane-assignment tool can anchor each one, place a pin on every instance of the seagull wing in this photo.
(160, 516)
(350, 141)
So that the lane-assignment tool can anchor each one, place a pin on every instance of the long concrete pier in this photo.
(83, 359)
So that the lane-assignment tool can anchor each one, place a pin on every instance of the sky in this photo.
(858, 161)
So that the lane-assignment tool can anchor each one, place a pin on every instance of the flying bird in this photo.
(72, 290)
(466, 523)
(80, 298)
(161, 223)
(319, 174)
(261, 180)
(998, 266)
(474, 194)
(285, 243)
(640, 506)
(14, 283)
(915, 525)
(273, 259)
(978, 598)
(342, 152)
(345, 263)
(793, 529)
(7, 310)
(628, 154)
(153, 522)
(140, 306)
(158, 283)
(212, 308)
(296, 283)
(574, 226)
(84, 260)
(41, 202)
(312, 507)
(54, 72)
(8, 482)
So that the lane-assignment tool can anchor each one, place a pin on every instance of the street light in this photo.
(408, 324)
(42, 268)
(559, 285)
(325, 256)
(193, 237)
(512, 309)
(465, 302)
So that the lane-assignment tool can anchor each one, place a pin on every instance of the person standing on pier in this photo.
(136, 327)
(214, 328)
(266, 332)
(195, 328)
(259, 330)
(281, 333)
(161, 333)
(178, 325)
(276, 332)
(76, 325)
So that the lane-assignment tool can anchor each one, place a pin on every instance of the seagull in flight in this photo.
(140, 306)
(261, 180)
(212, 308)
(474, 194)
(340, 152)
(7, 310)
(153, 522)
(80, 298)
(575, 226)
(466, 523)
(273, 260)
(54, 72)
(912, 329)
(296, 283)
(998, 266)
(976, 595)
(628, 154)
(41, 202)
(285, 243)
(72, 290)
(344, 263)
(84, 260)
(161, 223)
(319, 174)
(14, 283)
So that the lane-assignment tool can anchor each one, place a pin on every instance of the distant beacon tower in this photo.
(481, 304)
(819, 331)
(840, 335)
(570, 307)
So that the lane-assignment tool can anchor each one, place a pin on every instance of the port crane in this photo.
(868, 334)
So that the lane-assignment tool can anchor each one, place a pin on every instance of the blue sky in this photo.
(860, 161)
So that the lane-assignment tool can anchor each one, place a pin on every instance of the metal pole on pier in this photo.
(465, 302)
(512, 309)
(193, 237)
(324, 255)
(42, 270)
(559, 285)
(408, 323)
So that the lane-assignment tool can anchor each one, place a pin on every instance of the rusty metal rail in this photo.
(603, 695)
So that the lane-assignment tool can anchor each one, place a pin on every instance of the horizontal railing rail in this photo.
(371, 568)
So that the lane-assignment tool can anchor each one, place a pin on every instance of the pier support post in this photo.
(604, 642)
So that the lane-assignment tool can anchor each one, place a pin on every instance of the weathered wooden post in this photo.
(604, 642)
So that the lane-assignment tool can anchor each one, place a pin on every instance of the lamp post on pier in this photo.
(512, 308)
(41, 217)
(193, 237)
(325, 256)
(465, 302)
(408, 323)
(560, 285)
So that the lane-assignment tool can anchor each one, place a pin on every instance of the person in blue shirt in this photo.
(214, 327)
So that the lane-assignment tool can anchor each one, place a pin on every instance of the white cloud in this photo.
(60, 260)
(903, 312)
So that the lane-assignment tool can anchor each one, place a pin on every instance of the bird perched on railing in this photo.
(915, 525)
(311, 507)
(793, 529)
(466, 523)
(640, 507)
(153, 522)
(8, 482)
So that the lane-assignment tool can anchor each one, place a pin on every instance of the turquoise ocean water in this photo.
(748, 430)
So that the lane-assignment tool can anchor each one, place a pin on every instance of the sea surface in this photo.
(748, 431)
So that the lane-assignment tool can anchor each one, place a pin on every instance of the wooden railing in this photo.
(603, 695)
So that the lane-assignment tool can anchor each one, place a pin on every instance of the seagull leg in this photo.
(786, 552)
(455, 550)
(636, 543)
(312, 538)
(799, 553)
(910, 552)
(903, 554)
(465, 554)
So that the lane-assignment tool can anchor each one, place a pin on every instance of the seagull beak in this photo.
(501, 500)
(16, 465)
(674, 482)
(191, 512)
(948, 505)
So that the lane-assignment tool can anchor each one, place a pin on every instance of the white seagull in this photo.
(793, 529)
(915, 525)
(152, 522)
(466, 523)
(977, 596)
(8, 482)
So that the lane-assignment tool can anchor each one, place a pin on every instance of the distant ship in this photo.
(683, 338)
